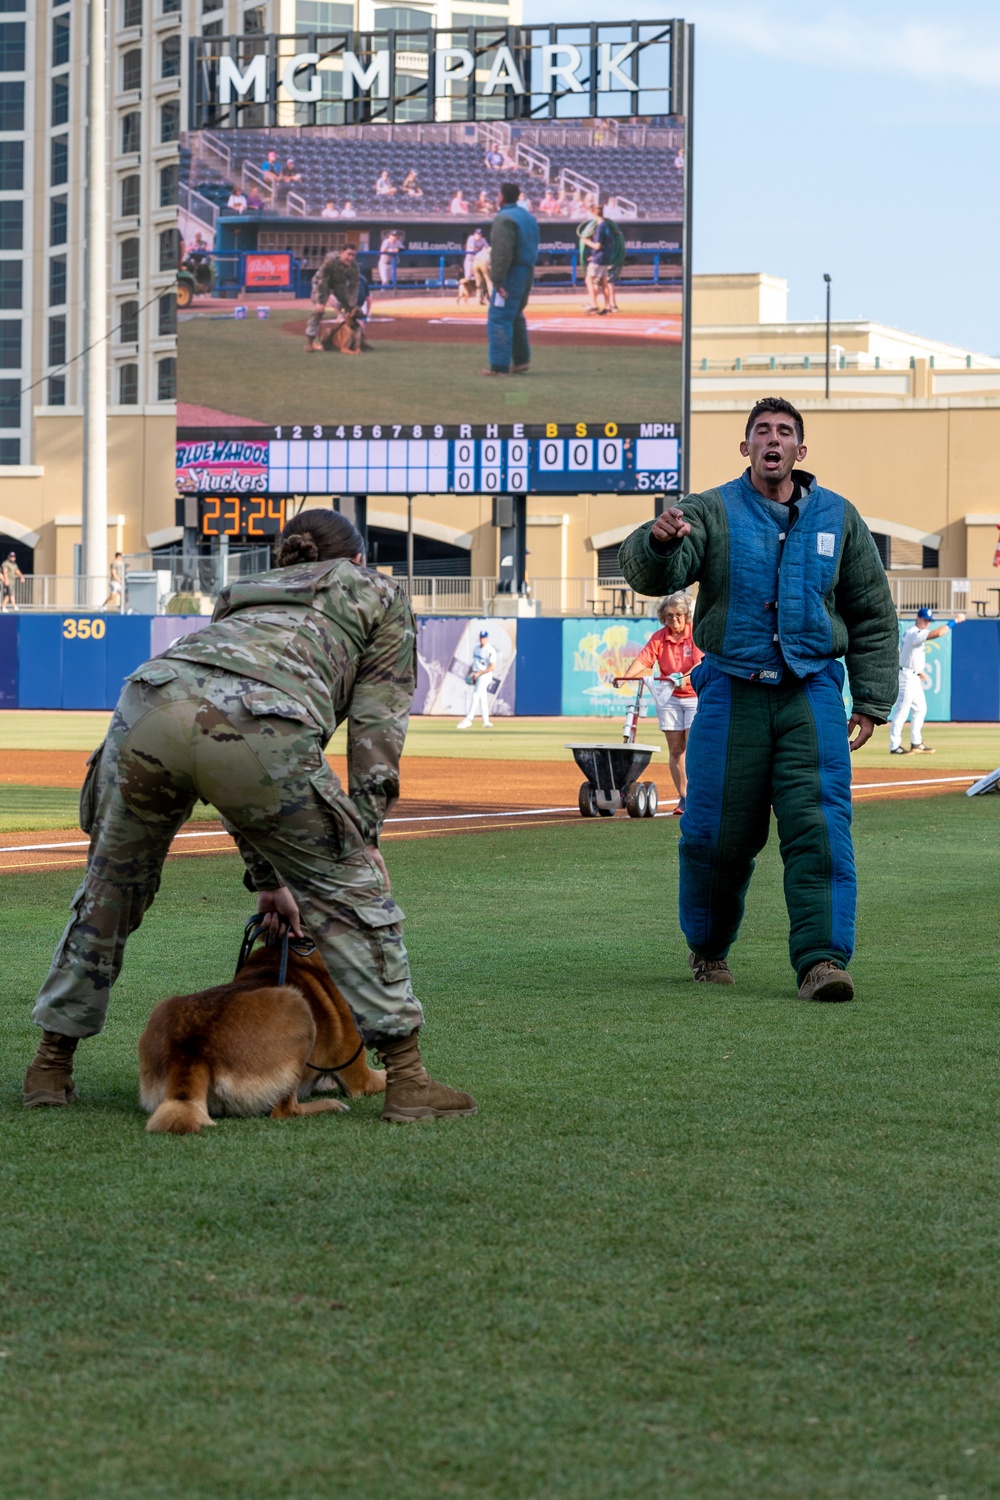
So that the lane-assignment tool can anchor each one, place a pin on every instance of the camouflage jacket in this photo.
(338, 277)
(341, 641)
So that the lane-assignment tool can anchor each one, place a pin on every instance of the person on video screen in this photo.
(514, 239)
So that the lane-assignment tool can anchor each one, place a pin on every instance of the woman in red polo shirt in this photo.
(675, 653)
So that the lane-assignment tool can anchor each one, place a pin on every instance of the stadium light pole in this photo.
(94, 530)
(827, 279)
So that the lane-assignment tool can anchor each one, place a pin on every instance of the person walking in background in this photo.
(911, 699)
(600, 244)
(475, 242)
(673, 650)
(114, 582)
(790, 581)
(514, 239)
(10, 575)
(480, 676)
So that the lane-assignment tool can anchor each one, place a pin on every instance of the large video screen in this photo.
(335, 291)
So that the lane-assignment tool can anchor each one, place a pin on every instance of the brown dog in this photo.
(347, 336)
(252, 1046)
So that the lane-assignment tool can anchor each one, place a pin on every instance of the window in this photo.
(170, 58)
(170, 250)
(12, 47)
(207, 5)
(170, 121)
(12, 166)
(607, 563)
(128, 385)
(167, 315)
(168, 185)
(10, 403)
(60, 41)
(57, 280)
(10, 344)
(11, 224)
(131, 13)
(10, 451)
(930, 558)
(253, 21)
(166, 380)
(11, 106)
(57, 341)
(60, 160)
(128, 332)
(169, 7)
(57, 390)
(60, 100)
(10, 283)
(322, 15)
(58, 215)
(130, 260)
(214, 29)
(131, 132)
(131, 195)
(883, 547)
(132, 69)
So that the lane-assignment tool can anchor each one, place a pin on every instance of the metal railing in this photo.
(975, 597)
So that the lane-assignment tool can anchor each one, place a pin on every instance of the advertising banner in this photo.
(444, 659)
(594, 653)
(268, 271)
(222, 466)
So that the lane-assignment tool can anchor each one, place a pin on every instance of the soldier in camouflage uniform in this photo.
(238, 714)
(339, 276)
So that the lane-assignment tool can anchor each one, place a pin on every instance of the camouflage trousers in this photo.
(183, 731)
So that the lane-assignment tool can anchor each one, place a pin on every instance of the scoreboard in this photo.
(518, 458)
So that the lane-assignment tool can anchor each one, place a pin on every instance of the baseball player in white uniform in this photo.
(480, 676)
(911, 700)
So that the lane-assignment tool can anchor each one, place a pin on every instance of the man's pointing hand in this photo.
(670, 526)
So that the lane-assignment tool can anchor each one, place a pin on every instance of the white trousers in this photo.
(480, 700)
(911, 701)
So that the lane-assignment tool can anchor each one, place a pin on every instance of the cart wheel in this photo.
(185, 294)
(652, 799)
(606, 812)
(587, 801)
(637, 802)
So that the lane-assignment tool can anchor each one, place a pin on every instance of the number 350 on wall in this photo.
(83, 630)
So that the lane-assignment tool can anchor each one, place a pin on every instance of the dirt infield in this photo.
(440, 797)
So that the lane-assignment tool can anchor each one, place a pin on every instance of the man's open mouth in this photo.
(772, 457)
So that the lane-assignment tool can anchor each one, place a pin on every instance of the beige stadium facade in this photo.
(910, 432)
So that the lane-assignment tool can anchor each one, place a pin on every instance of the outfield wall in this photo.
(544, 666)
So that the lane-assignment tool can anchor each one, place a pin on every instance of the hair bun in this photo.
(298, 548)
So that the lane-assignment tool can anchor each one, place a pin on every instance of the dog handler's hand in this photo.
(865, 727)
(279, 911)
(375, 855)
(670, 526)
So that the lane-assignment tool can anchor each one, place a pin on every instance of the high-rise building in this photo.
(43, 136)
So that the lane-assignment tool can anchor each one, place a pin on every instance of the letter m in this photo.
(373, 79)
(231, 78)
(648, 429)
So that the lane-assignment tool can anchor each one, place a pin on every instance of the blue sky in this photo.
(859, 139)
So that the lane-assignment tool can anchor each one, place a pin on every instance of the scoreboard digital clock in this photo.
(494, 459)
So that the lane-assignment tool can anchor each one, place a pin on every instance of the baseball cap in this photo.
(925, 614)
(484, 635)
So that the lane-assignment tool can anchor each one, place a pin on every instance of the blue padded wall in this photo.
(58, 667)
(539, 667)
(39, 661)
(975, 671)
(8, 661)
(128, 647)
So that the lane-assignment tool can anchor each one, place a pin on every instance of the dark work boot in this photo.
(49, 1079)
(410, 1094)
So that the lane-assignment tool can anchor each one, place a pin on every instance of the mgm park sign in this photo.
(527, 72)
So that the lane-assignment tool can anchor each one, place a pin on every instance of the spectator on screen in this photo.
(550, 203)
(493, 159)
(411, 185)
(348, 211)
(458, 205)
(383, 185)
(255, 202)
(330, 210)
(236, 202)
(271, 168)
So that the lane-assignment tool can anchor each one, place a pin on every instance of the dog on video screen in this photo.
(347, 336)
(261, 1044)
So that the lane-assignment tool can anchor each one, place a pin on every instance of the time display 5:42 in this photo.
(666, 479)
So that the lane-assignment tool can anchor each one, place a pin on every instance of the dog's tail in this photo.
(184, 1109)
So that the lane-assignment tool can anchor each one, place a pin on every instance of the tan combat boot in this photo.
(49, 1079)
(409, 1093)
(826, 981)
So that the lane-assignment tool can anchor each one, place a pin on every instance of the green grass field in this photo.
(722, 1245)
(222, 364)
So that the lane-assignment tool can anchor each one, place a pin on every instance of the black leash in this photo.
(303, 947)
